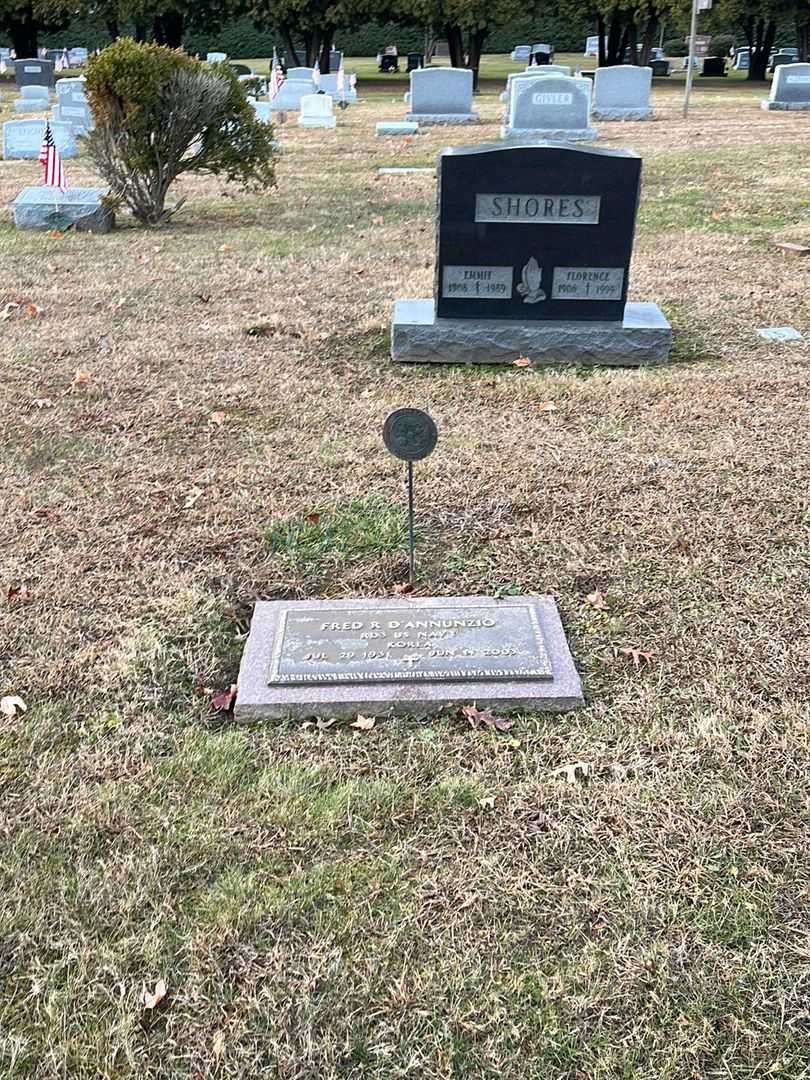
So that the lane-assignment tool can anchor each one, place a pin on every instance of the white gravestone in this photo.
(216, 57)
(32, 99)
(441, 96)
(521, 53)
(622, 93)
(316, 112)
(296, 73)
(550, 107)
(531, 73)
(790, 89)
(288, 99)
(70, 86)
(23, 139)
(329, 85)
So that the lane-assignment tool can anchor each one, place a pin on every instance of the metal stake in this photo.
(411, 568)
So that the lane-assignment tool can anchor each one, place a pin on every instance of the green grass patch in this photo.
(359, 528)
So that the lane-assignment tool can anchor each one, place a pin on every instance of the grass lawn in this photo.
(420, 900)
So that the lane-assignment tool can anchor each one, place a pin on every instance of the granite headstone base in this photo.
(395, 127)
(49, 208)
(643, 337)
(317, 121)
(437, 119)
(530, 135)
(785, 106)
(520, 643)
(615, 113)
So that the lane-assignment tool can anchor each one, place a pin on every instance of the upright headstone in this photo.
(23, 138)
(533, 254)
(262, 109)
(415, 60)
(660, 68)
(442, 96)
(521, 54)
(592, 45)
(216, 58)
(335, 59)
(550, 107)
(316, 112)
(790, 89)
(622, 93)
(782, 58)
(77, 57)
(714, 67)
(34, 72)
(32, 99)
(532, 73)
(742, 60)
(288, 99)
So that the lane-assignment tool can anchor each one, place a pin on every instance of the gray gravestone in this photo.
(75, 112)
(47, 208)
(72, 85)
(529, 73)
(216, 58)
(532, 259)
(316, 112)
(338, 658)
(622, 93)
(521, 54)
(329, 85)
(262, 109)
(401, 128)
(299, 73)
(32, 99)
(442, 96)
(77, 57)
(335, 59)
(790, 89)
(550, 107)
(742, 60)
(23, 138)
(33, 72)
(288, 99)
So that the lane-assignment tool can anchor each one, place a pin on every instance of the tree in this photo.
(23, 20)
(627, 28)
(465, 24)
(313, 22)
(757, 20)
(159, 113)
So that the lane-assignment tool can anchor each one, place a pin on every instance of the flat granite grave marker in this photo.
(790, 89)
(342, 657)
(532, 259)
(622, 93)
(48, 208)
(441, 96)
(550, 107)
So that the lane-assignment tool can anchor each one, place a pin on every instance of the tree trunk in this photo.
(455, 43)
(312, 46)
(292, 54)
(477, 39)
(803, 36)
(616, 41)
(650, 30)
(326, 48)
(600, 29)
(760, 38)
(23, 36)
(139, 31)
(631, 42)
(168, 29)
(113, 30)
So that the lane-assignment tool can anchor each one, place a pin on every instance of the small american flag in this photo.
(352, 81)
(276, 77)
(51, 162)
(316, 74)
(62, 64)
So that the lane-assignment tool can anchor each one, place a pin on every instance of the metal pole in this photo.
(411, 569)
(690, 69)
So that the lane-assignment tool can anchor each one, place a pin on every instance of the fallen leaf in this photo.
(522, 361)
(637, 655)
(32, 311)
(403, 587)
(226, 248)
(364, 723)
(222, 700)
(575, 771)
(313, 518)
(11, 705)
(151, 999)
(595, 599)
(81, 378)
(546, 406)
(478, 718)
(218, 418)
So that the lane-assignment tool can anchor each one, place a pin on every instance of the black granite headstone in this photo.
(416, 60)
(713, 67)
(34, 72)
(535, 232)
(388, 64)
(660, 68)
